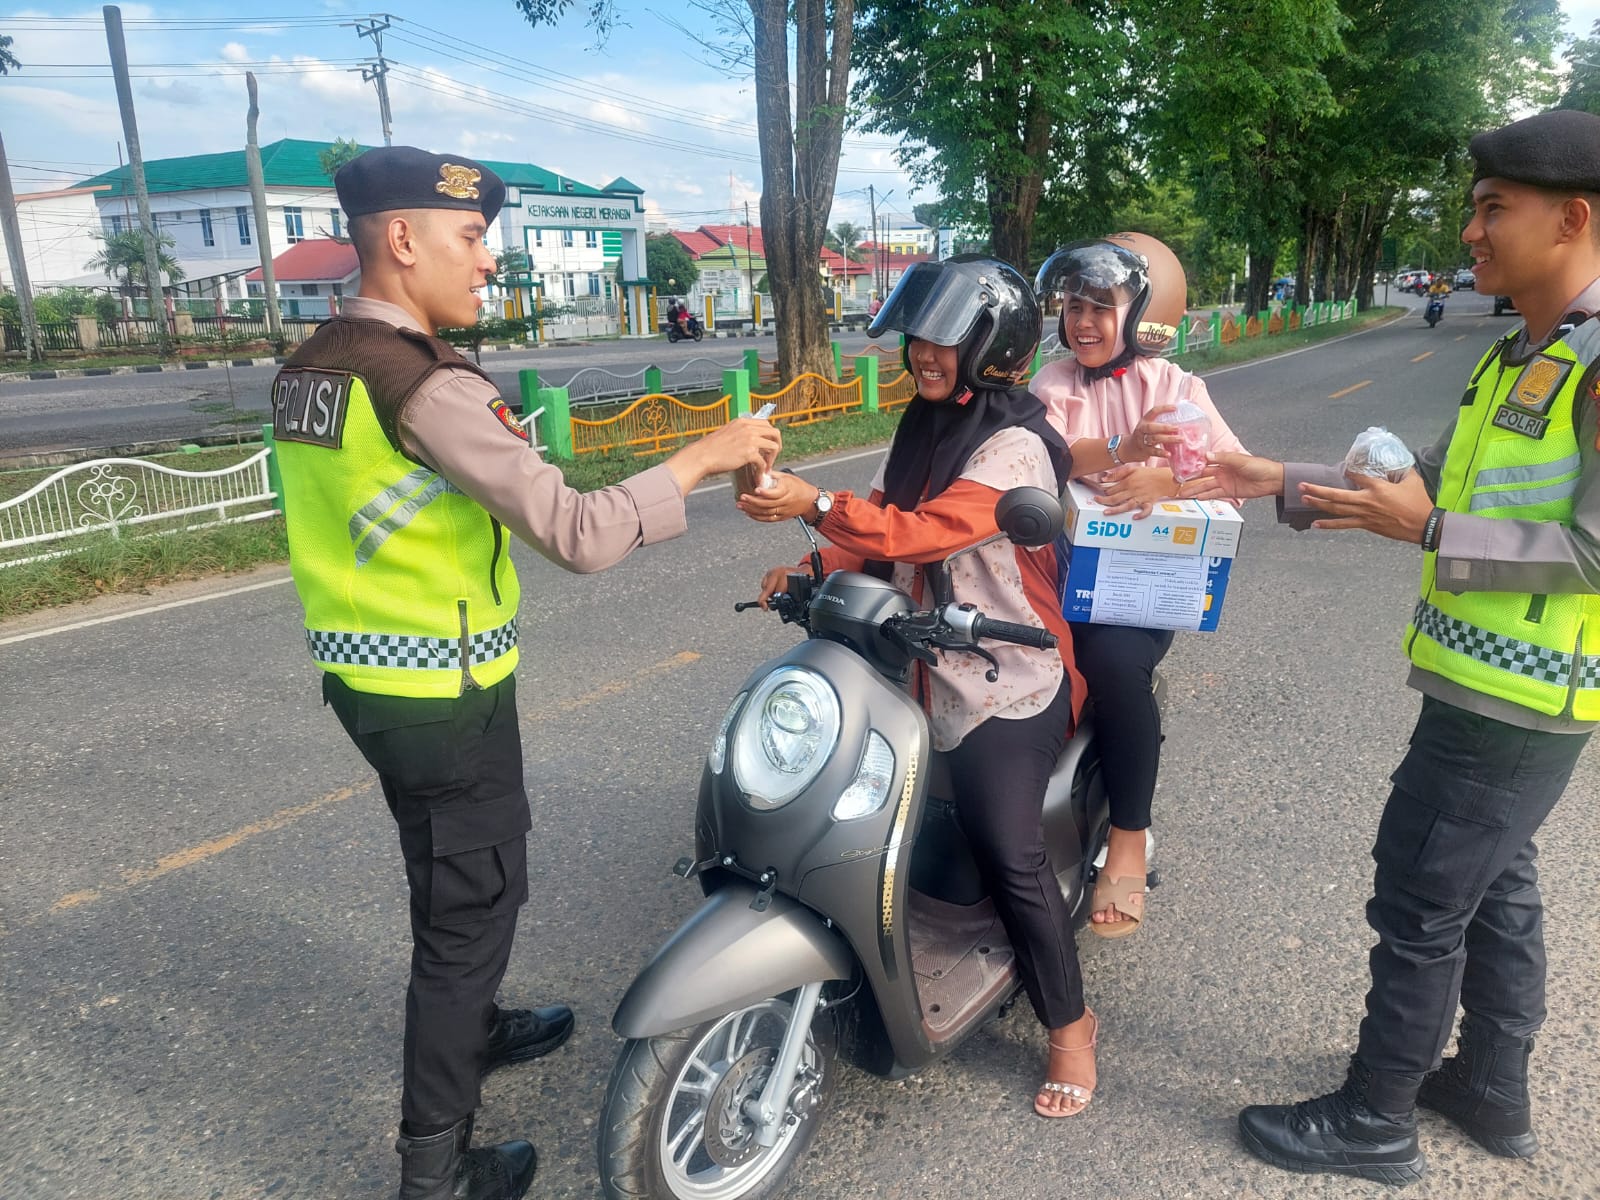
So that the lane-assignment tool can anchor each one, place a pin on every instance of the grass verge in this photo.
(102, 564)
(105, 565)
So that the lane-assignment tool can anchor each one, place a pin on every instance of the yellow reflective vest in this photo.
(1514, 456)
(407, 583)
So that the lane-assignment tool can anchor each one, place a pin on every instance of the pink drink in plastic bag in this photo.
(1188, 456)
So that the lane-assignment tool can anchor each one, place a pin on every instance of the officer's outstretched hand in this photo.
(1234, 476)
(739, 443)
(1392, 510)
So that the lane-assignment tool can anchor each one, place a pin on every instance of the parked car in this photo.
(1502, 304)
(1465, 279)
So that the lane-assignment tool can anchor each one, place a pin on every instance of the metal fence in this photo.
(53, 335)
(114, 495)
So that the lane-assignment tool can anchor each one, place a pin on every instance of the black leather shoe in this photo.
(1338, 1133)
(521, 1034)
(441, 1167)
(1484, 1090)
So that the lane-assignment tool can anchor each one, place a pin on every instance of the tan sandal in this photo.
(1075, 1092)
(1126, 894)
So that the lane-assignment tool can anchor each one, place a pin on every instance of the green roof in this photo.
(288, 162)
(622, 184)
(291, 162)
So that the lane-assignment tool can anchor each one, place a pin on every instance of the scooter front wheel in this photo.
(675, 1126)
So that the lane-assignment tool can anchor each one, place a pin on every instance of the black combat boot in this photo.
(1484, 1090)
(520, 1034)
(1341, 1133)
(441, 1167)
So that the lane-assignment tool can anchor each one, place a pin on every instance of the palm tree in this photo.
(121, 255)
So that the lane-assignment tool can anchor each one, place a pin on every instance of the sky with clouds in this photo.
(472, 76)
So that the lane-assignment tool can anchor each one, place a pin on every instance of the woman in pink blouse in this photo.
(1122, 298)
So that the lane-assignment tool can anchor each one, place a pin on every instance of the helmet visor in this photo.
(933, 304)
(1102, 273)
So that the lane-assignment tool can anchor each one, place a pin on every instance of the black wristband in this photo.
(1430, 531)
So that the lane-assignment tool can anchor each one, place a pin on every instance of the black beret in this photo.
(1559, 150)
(396, 177)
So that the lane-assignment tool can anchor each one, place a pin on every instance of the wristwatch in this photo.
(823, 505)
(1112, 443)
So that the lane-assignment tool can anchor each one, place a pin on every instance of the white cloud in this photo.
(235, 52)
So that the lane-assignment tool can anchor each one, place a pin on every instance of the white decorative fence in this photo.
(114, 495)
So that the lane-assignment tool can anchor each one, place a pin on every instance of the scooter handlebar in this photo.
(1008, 631)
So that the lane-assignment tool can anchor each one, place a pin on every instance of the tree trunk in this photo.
(1258, 287)
(1013, 201)
(800, 164)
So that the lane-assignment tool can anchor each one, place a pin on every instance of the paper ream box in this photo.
(1187, 527)
(1145, 589)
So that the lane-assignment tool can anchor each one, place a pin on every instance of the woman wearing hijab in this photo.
(970, 434)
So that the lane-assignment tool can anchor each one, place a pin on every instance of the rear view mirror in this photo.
(1029, 516)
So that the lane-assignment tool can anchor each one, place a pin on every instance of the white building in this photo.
(58, 239)
(573, 234)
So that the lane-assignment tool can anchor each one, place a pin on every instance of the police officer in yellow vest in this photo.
(1505, 649)
(404, 477)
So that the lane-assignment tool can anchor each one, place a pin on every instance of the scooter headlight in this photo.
(719, 744)
(784, 737)
(870, 788)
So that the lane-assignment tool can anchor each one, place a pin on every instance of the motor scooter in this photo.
(1435, 310)
(844, 914)
(686, 330)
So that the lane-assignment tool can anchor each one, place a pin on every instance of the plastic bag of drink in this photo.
(1378, 453)
(1188, 456)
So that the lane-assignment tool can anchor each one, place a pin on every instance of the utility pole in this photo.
(33, 343)
(749, 263)
(376, 72)
(872, 203)
(141, 195)
(258, 201)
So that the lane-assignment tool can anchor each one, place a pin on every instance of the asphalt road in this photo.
(202, 920)
(47, 415)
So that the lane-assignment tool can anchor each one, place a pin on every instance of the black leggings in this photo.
(1117, 661)
(999, 772)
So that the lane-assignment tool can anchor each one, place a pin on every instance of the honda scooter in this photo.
(845, 917)
(1435, 310)
(686, 330)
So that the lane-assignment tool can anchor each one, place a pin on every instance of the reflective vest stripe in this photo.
(406, 652)
(377, 535)
(1503, 653)
(374, 509)
(1521, 496)
(1537, 473)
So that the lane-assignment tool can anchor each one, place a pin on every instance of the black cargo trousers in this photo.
(451, 771)
(1455, 901)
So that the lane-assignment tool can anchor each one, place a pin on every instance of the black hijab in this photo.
(934, 440)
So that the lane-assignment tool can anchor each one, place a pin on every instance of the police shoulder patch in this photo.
(309, 405)
(509, 419)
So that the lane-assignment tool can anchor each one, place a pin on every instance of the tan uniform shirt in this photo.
(1482, 554)
(448, 425)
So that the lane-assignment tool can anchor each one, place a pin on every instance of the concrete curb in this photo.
(197, 364)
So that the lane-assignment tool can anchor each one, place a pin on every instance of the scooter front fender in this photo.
(728, 955)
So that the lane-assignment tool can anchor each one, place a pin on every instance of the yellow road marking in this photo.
(1354, 387)
(1423, 355)
(201, 852)
(1461, 337)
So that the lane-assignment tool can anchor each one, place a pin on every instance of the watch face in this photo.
(824, 501)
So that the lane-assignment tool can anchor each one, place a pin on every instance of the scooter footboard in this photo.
(728, 955)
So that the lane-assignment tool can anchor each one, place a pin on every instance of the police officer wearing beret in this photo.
(404, 475)
(1505, 649)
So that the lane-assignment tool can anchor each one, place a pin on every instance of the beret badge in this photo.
(460, 183)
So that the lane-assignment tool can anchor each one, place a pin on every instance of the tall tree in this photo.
(668, 265)
(800, 125)
(1583, 82)
(1241, 86)
(1005, 106)
(121, 255)
(844, 238)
